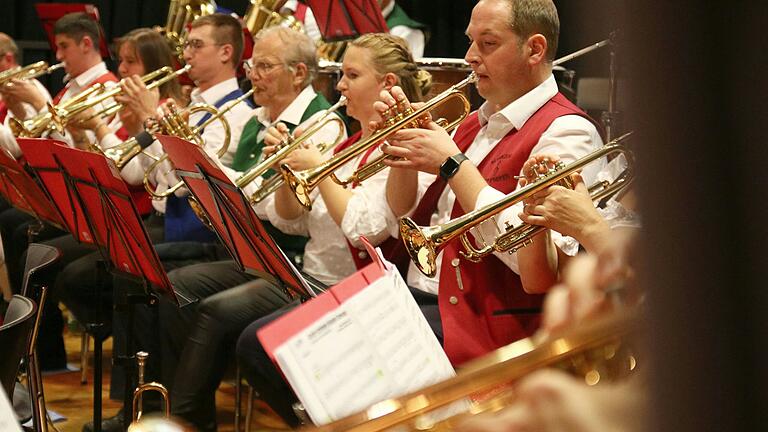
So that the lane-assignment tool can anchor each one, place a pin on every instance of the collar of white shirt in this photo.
(388, 9)
(88, 76)
(293, 112)
(519, 111)
(215, 93)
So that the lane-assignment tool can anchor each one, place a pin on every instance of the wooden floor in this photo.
(65, 395)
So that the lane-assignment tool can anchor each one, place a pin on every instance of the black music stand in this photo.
(97, 193)
(347, 19)
(233, 219)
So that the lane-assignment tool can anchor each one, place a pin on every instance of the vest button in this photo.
(453, 300)
(252, 156)
(362, 254)
(455, 262)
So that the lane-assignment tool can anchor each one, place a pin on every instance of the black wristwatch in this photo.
(450, 167)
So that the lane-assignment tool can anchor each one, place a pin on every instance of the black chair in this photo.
(35, 285)
(14, 338)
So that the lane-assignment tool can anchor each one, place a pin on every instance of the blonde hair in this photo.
(390, 54)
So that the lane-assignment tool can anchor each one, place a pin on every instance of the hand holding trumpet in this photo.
(570, 212)
(422, 149)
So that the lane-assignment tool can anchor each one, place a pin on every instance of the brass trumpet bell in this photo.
(425, 243)
(304, 182)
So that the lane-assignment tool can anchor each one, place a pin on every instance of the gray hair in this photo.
(299, 48)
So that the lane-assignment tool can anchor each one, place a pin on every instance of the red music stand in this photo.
(347, 19)
(39, 154)
(232, 217)
(24, 193)
(49, 13)
(100, 198)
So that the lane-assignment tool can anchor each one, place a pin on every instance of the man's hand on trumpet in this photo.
(304, 157)
(20, 91)
(422, 149)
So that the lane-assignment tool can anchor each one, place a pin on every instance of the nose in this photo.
(342, 84)
(59, 55)
(472, 57)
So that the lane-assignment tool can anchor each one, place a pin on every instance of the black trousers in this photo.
(197, 341)
(267, 380)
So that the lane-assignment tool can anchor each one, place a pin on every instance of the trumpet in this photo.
(181, 13)
(303, 182)
(28, 72)
(273, 183)
(425, 243)
(38, 125)
(138, 406)
(174, 124)
(62, 116)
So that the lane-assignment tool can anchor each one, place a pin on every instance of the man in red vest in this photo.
(494, 302)
(9, 56)
(77, 45)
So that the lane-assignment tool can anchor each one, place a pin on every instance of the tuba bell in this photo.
(425, 243)
(303, 182)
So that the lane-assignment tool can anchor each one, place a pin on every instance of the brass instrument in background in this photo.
(270, 185)
(61, 116)
(138, 406)
(181, 13)
(28, 72)
(174, 124)
(36, 126)
(598, 351)
(262, 14)
(303, 182)
(425, 243)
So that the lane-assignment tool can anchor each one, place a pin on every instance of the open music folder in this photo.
(89, 190)
(362, 341)
(232, 217)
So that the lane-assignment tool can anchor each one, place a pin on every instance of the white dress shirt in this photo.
(291, 114)
(570, 137)
(213, 136)
(326, 255)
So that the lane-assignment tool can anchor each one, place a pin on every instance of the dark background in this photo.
(584, 22)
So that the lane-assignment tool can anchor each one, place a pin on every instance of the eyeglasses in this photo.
(196, 44)
(260, 68)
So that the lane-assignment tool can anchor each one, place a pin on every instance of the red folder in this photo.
(232, 217)
(24, 193)
(49, 13)
(347, 19)
(89, 184)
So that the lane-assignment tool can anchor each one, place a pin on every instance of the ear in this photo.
(225, 53)
(537, 49)
(390, 80)
(300, 72)
(87, 42)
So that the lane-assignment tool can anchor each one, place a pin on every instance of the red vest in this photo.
(103, 79)
(491, 310)
(3, 111)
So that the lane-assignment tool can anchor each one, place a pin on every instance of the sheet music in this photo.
(375, 345)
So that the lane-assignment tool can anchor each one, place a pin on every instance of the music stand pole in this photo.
(611, 117)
